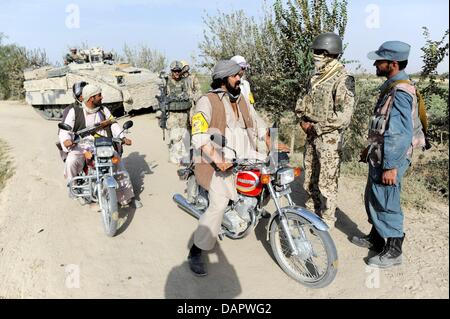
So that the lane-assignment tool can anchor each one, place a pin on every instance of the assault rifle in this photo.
(164, 107)
(99, 126)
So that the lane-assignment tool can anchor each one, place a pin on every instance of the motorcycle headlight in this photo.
(105, 151)
(285, 176)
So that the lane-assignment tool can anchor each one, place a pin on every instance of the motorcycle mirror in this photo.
(127, 125)
(64, 127)
(219, 139)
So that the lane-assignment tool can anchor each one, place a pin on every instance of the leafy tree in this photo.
(278, 47)
(436, 96)
(144, 57)
(14, 60)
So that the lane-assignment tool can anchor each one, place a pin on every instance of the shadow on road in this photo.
(261, 235)
(343, 223)
(137, 167)
(221, 281)
(299, 194)
(346, 225)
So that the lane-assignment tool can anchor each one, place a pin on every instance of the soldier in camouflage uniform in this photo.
(182, 92)
(73, 56)
(324, 113)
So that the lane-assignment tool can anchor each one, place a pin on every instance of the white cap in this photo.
(239, 59)
(90, 90)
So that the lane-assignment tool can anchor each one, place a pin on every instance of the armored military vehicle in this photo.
(124, 88)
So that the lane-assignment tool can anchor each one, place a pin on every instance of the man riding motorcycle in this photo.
(222, 111)
(89, 113)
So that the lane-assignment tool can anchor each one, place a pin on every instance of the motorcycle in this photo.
(96, 182)
(299, 239)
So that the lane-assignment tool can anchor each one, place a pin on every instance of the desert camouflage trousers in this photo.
(179, 137)
(322, 168)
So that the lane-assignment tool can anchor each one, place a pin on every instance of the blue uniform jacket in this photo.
(399, 130)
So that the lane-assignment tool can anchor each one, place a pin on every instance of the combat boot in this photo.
(196, 263)
(391, 254)
(373, 241)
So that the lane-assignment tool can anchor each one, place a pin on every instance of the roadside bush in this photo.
(144, 57)
(6, 170)
(14, 60)
(355, 137)
(435, 94)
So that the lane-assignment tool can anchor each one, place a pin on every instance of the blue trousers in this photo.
(383, 202)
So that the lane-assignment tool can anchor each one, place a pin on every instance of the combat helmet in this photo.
(77, 89)
(185, 68)
(329, 42)
(176, 66)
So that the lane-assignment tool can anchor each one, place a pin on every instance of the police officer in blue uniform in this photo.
(391, 132)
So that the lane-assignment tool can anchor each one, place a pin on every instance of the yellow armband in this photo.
(251, 98)
(199, 124)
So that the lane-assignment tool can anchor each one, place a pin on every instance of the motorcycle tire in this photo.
(312, 276)
(110, 211)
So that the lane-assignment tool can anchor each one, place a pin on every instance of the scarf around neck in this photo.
(89, 110)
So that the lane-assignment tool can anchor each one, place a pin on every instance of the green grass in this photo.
(6, 169)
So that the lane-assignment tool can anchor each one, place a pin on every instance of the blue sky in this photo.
(175, 27)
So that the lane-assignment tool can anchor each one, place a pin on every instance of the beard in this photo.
(382, 73)
(234, 91)
(97, 103)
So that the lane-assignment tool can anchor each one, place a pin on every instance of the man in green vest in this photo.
(324, 113)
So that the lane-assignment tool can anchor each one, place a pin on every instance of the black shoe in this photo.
(391, 254)
(197, 266)
(372, 241)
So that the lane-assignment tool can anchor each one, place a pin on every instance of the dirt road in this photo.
(51, 247)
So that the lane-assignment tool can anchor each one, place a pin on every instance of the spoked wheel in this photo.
(315, 265)
(110, 211)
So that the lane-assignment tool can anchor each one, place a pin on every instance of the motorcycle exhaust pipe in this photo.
(185, 205)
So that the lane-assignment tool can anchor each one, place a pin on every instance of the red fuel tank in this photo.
(248, 183)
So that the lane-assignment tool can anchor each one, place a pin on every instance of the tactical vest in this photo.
(379, 120)
(180, 92)
(204, 170)
(319, 101)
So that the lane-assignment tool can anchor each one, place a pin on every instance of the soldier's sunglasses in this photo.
(320, 52)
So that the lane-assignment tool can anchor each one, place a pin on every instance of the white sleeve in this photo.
(116, 129)
(204, 107)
